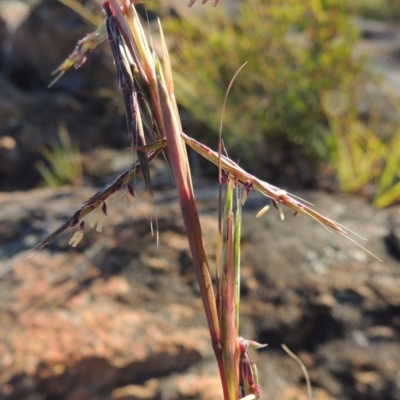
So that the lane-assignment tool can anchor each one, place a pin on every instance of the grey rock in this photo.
(344, 317)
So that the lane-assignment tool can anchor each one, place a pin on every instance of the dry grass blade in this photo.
(127, 83)
(226, 293)
(220, 143)
(98, 199)
(78, 57)
(303, 368)
(277, 195)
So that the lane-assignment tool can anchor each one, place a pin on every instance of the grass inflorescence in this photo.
(145, 80)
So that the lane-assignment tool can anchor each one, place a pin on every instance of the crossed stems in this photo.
(152, 117)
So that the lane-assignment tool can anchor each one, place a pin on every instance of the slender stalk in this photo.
(181, 172)
(157, 83)
(229, 333)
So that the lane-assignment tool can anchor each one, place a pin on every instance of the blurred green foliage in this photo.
(298, 94)
(64, 162)
(296, 51)
(295, 105)
(366, 154)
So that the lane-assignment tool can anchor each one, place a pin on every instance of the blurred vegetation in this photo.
(294, 108)
(64, 162)
(296, 52)
(366, 155)
(297, 96)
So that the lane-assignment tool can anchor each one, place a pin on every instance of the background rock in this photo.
(36, 52)
(120, 312)
(87, 100)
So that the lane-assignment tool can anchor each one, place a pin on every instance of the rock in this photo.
(386, 286)
(31, 122)
(295, 393)
(8, 155)
(31, 113)
(13, 13)
(120, 316)
(78, 338)
(193, 386)
(3, 41)
(13, 103)
(379, 334)
(103, 163)
(392, 240)
(83, 331)
(148, 391)
(380, 43)
(52, 31)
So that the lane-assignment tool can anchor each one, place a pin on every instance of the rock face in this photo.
(121, 318)
(45, 39)
(31, 47)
